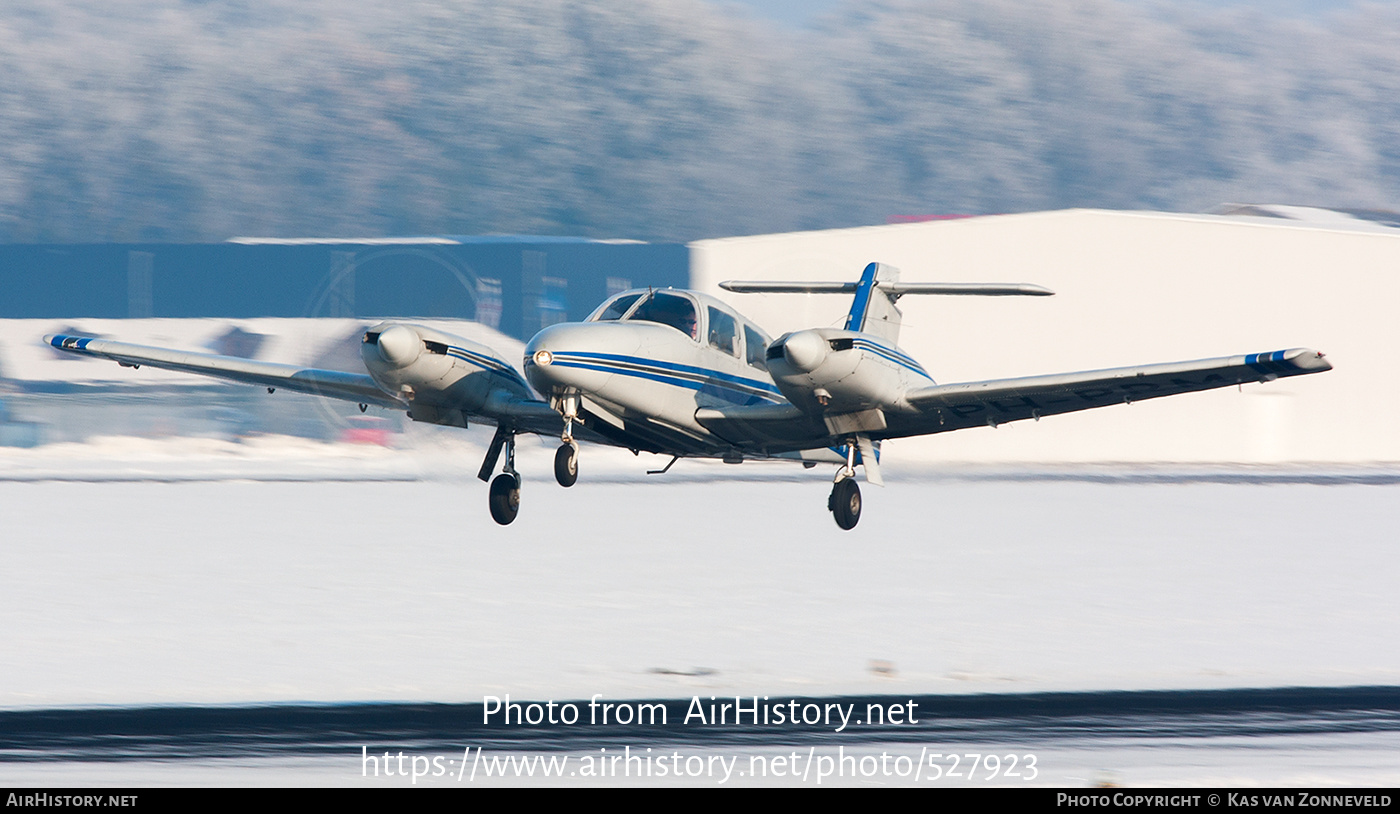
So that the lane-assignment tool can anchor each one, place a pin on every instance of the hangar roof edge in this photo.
(1352, 225)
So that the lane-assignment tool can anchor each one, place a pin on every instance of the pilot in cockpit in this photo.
(668, 309)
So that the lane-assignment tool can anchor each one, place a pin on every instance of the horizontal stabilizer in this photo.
(967, 289)
(773, 287)
(873, 308)
(893, 289)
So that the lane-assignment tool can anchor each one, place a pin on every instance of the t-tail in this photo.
(873, 308)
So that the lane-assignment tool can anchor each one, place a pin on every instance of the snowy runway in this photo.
(241, 592)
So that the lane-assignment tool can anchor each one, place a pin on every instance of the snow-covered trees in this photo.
(670, 119)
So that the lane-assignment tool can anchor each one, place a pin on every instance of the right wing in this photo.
(504, 407)
(946, 407)
(357, 387)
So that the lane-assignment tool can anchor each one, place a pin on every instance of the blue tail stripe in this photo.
(855, 320)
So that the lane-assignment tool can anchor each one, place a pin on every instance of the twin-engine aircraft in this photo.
(681, 373)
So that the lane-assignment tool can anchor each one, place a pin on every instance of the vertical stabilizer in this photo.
(873, 310)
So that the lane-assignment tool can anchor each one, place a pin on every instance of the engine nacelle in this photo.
(829, 370)
(805, 351)
(444, 377)
(396, 345)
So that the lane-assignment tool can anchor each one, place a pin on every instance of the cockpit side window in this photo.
(617, 308)
(667, 309)
(724, 332)
(755, 343)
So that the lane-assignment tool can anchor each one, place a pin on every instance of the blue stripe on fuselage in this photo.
(892, 355)
(708, 387)
(669, 366)
(488, 363)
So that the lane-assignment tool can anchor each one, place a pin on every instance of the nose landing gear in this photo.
(566, 463)
(566, 458)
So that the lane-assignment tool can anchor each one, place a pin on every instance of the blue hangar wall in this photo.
(514, 284)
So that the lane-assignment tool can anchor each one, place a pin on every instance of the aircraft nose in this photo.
(576, 356)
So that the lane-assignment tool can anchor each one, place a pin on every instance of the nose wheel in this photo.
(566, 458)
(844, 503)
(566, 464)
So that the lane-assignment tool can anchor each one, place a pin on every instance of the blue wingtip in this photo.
(67, 341)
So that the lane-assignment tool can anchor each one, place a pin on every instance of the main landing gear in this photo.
(844, 503)
(504, 498)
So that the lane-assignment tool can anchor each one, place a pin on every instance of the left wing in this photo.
(356, 387)
(947, 407)
(944, 407)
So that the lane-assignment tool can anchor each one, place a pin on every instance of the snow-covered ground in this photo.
(245, 590)
(201, 571)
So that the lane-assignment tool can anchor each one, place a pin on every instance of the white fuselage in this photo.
(644, 381)
(641, 382)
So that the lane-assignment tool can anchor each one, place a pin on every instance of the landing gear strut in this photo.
(844, 503)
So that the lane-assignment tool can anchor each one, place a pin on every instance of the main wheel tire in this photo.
(505, 499)
(566, 465)
(845, 503)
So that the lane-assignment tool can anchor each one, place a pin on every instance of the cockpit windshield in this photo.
(667, 309)
(617, 308)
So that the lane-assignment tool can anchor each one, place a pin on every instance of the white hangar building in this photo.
(1131, 288)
